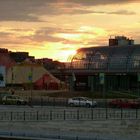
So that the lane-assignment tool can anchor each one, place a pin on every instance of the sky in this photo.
(57, 28)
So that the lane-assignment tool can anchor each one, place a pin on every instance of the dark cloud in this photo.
(47, 35)
(80, 11)
(30, 10)
(12, 39)
(19, 10)
(4, 34)
(119, 12)
(81, 7)
(101, 2)
(39, 37)
(20, 30)
(122, 12)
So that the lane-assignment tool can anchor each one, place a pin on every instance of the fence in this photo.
(45, 101)
(72, 115)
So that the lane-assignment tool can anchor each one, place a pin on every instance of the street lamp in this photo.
(30, 78)
(138, 80)
(102, 83)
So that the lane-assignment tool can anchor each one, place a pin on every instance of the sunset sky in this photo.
(56, 28)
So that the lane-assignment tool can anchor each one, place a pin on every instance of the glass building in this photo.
(119, 63)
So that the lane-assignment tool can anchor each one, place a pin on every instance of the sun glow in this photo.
(62, 52)
(66, 55)
(83, 33)
(70, 36)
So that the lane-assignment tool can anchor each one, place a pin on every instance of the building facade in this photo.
(119, 63)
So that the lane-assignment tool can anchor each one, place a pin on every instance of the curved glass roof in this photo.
(115, 58)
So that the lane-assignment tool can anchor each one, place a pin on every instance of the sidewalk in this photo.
(110, 130)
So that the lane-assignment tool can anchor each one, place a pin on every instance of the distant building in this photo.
(20, 56)
(3, 50)
(49, 64)
(120, 41)
(24, 74)
(5, 59)
(20, 70)
(119, 62)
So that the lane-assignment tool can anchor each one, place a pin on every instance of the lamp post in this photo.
(12, 81)
(102, 83)
(138, 80)
(30, 77)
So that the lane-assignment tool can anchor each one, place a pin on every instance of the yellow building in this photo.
(25, 74)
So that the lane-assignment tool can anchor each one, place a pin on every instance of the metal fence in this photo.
(46, 101)
(71, 115)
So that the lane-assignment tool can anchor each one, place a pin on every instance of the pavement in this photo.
(111, 130)
(70, 130)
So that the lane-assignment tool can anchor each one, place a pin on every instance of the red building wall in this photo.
(5, 60)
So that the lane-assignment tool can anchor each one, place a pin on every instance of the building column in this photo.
(91, 83)
(71, 84)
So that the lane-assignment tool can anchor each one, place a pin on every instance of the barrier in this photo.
(72, 114)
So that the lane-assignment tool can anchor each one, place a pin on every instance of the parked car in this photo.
(4, 94)
(119, 103)
(14, 100)
(82, 101)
